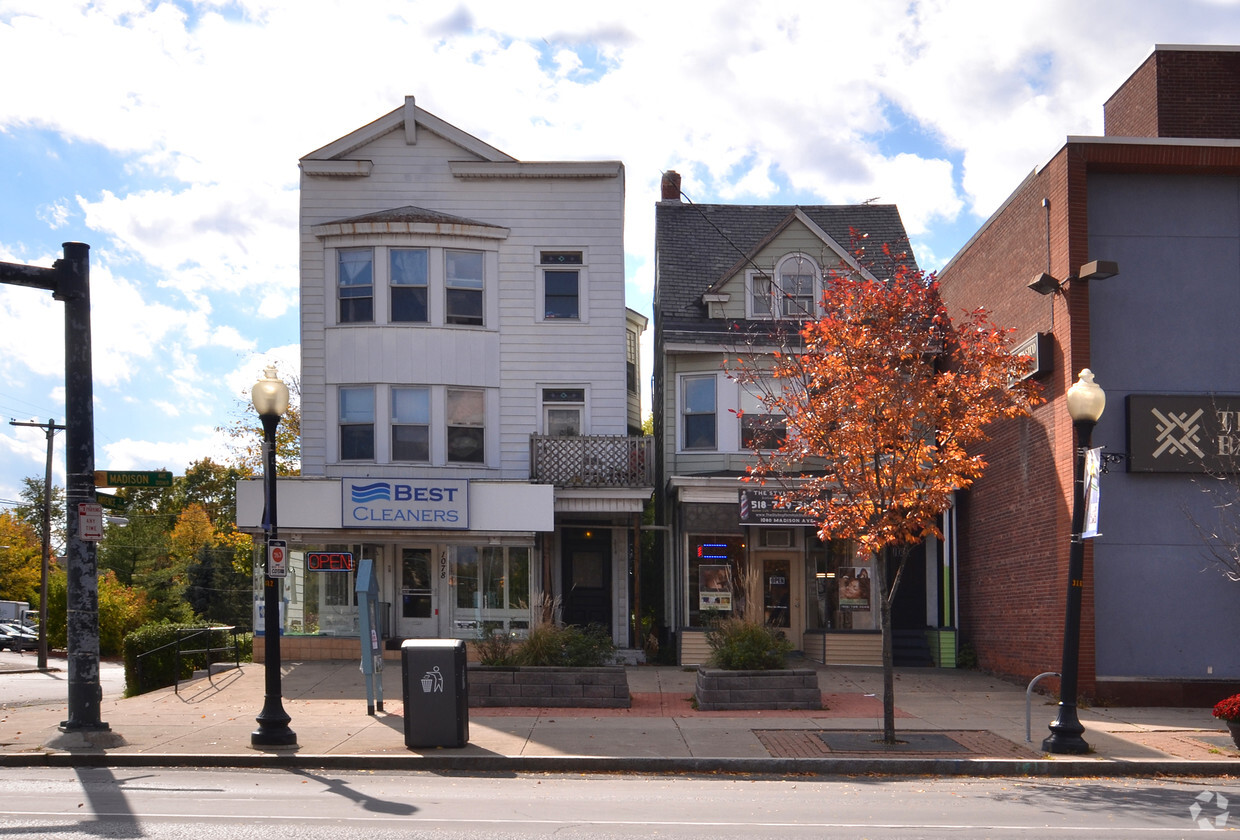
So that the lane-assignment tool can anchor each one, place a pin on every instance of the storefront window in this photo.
(492, 585)
(715, 583)
(839, 583)
(323, 601)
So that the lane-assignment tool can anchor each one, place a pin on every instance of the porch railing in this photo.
(592, 460)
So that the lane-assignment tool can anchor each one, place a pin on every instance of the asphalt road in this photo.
(18, 688)
(185, 803)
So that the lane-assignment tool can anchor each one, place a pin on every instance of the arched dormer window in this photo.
(790, 292)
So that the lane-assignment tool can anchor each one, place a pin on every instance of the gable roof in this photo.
(697, 246)
(408, 117)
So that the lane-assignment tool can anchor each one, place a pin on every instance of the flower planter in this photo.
(591, 688)
(1233, 726)
(794, 688)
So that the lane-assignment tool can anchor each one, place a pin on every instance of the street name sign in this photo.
(115, 478)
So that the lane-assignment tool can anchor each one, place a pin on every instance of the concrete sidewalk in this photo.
(954, 722)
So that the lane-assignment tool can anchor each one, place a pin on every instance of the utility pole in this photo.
(50, 428)
(69, 282)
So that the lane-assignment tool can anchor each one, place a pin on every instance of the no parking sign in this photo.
(277, 559)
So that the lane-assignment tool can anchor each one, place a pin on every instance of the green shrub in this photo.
(739, 645)
(570, 646)
(158, 668)
(495, 649)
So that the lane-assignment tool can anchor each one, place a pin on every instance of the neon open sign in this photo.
(329, 561)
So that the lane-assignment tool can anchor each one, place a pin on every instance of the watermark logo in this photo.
(1209, 810)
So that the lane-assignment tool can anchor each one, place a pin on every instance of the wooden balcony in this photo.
(592, 461)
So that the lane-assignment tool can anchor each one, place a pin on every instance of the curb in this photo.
(977, 768)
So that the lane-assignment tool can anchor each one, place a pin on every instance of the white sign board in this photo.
(90, 521)
(407, 504)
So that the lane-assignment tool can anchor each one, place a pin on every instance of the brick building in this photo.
(1159, 196)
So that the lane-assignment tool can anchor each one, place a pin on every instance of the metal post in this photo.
(1066, 730)
(273, 729)
(50, 429)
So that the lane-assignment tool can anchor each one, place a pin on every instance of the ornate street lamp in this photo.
(1085, 404)
(270, 396)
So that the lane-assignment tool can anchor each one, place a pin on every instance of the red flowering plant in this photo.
(1228, 709)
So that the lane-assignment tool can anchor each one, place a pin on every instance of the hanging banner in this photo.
(1093, 467)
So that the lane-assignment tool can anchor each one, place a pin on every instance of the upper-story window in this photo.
(465, 284)
(561, 273)
(630, 360)
(790, 292)
(563, 409)
(355, 280)
(411, 424)
(760, 428)
(698, 412)
(357, 423)
(409, 274)
(466, 414)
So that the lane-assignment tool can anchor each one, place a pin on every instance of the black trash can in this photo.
(435, 677)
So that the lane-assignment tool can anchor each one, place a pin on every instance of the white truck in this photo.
(16, 612)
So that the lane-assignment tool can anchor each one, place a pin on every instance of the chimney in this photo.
(671, 185)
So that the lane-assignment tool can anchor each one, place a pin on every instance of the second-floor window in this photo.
(466, 415)
(411, 424)
(409, 279)
(561, 284)
(465, 287)
(760, 429)
(699, 412)
(357, 423)
(562, 411)
(355, 282)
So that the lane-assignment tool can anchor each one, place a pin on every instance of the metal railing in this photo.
(186, 634)
(592, 460)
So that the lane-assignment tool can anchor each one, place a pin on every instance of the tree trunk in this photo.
(881, 595)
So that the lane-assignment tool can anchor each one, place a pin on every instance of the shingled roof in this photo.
(697, 244)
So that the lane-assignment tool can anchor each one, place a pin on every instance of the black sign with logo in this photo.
(1175, 433)
(759, 507)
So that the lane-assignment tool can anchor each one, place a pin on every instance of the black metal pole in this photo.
(1066, 730)
(82, 597)
(273, 729)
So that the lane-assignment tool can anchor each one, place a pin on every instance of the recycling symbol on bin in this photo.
(432, 681)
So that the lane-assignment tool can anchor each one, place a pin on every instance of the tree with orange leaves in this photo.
(875, 410)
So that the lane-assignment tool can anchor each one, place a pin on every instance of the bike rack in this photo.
(1029, 703)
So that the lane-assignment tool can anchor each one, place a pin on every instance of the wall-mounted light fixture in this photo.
(1045, 284)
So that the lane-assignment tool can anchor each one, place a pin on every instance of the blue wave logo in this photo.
(380, 491)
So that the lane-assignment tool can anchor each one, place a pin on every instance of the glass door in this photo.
(781, 598)
(419, 609)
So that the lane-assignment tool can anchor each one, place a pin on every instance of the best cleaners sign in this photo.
(406, 503)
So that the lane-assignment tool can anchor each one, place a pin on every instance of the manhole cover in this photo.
(909, 742)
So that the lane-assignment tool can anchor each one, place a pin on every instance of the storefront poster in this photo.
(714, 588)
(854, 588)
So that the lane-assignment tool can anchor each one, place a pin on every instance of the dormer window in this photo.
(789, 292)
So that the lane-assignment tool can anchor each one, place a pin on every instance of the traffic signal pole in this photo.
(69, 282)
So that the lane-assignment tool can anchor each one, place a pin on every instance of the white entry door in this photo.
(418, 609)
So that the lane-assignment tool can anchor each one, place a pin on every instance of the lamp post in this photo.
(270, 396)
(1086, 401)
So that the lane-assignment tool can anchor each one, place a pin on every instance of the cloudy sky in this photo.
(166, 135)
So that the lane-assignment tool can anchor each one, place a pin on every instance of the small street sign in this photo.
(116, 478)
(277, 558)
(110, 502)
(90, 521)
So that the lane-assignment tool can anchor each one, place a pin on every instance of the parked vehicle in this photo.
(17, 638)
(16, 612)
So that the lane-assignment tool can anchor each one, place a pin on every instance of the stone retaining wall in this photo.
(719, 690)
(591, 688)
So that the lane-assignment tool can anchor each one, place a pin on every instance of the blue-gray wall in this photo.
(1168, 323)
